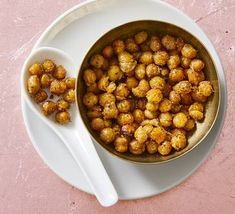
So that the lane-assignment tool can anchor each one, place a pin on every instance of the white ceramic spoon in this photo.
(74, 135)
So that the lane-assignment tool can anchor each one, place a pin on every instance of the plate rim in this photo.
(223, 113)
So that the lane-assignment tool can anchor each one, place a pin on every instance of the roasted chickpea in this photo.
(146, 58)
(33, 84)
(131, 46)
(105, 65)
(97, 124)
(141, 103)
(175, 108)
(70, 82)
(36, 69)
(136, 147)
(157, 83)
(141, 89)
(148, 128)
(111, 87)
(118, 46)
(195, 77)
(176, 75)
(131, 82)
(127, 62)
(186, 99)
(149, 114)
(62, 105)
(179, 44)
(205, 88)
(141, 37)
(165, 148)
(165, 119)
(93, 88)
(97, 61)
(40, 96)
(59, 73)
(99, 73)
(62, 117)
(103, 83)
(48, 108)
(155, 44)
(178, 142)
(125, 118)
(174, 97)
(90, 100)
(121, 144)
(152, 106)
(121, 91)
(117, 130)
(185, 62)
(69, 96)
(169, 42)
(129, 129)
(173, 61)
(48, 66)
(189, 125)
(176, 132)
(164, 72)
(145, 47)
(197, 96)
(106, 98)
(165, 105)
(197, 65)
(152, 70)
(183, 87)
(196, 115)
(124, 106)
(158, 134)
(45, 80)
(89, 77)
(196, 106)
(114, 73)
(141, 135)
(188, 51)
(107, 135)
(160, 58)
(95, 111)
(110, 111)
(180, 120)
(140, 71)
(154, 95)
(151, 147)
(138, 115)
(108, 52)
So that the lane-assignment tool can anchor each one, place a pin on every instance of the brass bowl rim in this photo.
(178, 156)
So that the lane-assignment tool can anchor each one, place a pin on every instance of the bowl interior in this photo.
(159, 28)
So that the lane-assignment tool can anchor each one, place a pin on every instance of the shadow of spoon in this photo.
(74, 135)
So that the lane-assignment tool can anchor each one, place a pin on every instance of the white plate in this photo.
(74, 32)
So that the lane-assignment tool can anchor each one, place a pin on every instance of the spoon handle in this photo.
(84, 153)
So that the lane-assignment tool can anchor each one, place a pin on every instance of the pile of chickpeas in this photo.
(146, 93)
(48, 80)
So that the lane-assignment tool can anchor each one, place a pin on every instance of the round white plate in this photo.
(74, 32)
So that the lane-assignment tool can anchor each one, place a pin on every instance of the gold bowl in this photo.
(159, 28)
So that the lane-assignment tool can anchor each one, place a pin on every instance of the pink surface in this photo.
(28, 186)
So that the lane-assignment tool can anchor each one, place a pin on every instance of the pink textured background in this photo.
(28, 186)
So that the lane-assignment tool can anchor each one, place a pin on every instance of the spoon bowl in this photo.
(74, 135)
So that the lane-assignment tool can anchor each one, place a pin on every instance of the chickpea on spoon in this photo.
(49, 94)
